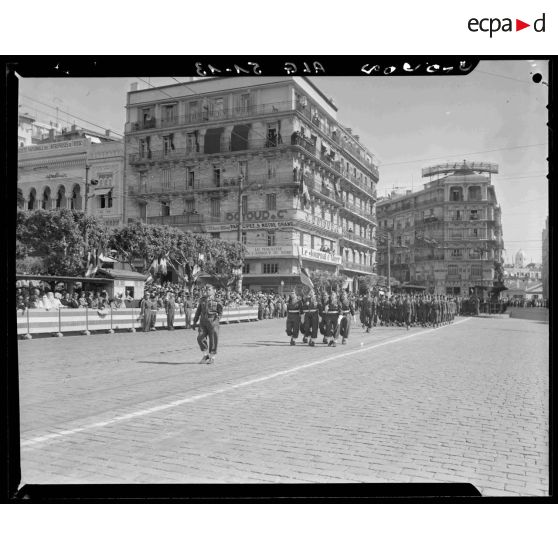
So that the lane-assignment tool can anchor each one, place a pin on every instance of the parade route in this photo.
(463, 403)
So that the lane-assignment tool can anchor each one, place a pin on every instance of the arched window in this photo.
(75, 201)
(46, 198)
(32, 197)
(60, 198)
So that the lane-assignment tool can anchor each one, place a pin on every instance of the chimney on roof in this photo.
(357, 137)
(134, 86)
(409, 192)
(350, 130)
(51, 134)
(73, 127)
(107, 133)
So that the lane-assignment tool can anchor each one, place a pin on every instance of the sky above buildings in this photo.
(497, 114)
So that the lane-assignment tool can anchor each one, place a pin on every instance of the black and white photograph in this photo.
(227, 278)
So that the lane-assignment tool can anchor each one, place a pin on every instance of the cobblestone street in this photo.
(463, 403)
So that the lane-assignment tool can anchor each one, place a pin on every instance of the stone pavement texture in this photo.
(463, 403)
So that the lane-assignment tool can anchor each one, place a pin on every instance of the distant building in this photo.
(446, 237)
(52, 173)
(30, 131)
(544, 274)
(521, 270)
(263, 161)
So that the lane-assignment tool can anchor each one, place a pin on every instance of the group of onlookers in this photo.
(527, 303)
(46, 299)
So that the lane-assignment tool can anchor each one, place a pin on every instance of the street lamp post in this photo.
(86, 197)
(241, 188)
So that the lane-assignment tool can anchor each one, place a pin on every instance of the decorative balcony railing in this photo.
(209, 114)
(354, 266)
(352, 237)
(183, 219)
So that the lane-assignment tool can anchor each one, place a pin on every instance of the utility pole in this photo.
(388, 236)
(240, 189)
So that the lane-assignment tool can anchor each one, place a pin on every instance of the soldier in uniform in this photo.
(363, 310)
(437, 308)
(347, 312)
(294, 311)
(368, 311)
(208, 314)
(406, 310)
(309, 327)
(169, 309)
(188, 307)
(154, 305)
(333, 313)
(322, 306)
(145, 312)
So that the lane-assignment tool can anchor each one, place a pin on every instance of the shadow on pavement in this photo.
(164, 362)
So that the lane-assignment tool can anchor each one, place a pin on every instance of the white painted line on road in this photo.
(165, 406)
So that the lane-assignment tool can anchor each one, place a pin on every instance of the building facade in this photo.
(59, 171)
(260, 160)
(544, 270)
(30, 131)
(446, 237)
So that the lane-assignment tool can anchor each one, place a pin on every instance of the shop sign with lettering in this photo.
(311, 254)
(57, 145)
(257, 215)
(322, 223)
(247, 226)
(269, 251)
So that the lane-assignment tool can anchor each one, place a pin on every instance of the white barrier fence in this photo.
(65, 320)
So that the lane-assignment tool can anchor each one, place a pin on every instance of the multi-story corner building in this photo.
(260, 160)
(545, 261)
(76, 169)
(446, 237)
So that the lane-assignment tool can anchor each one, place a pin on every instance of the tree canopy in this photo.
(58, 243)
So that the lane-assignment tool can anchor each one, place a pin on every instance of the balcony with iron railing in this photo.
(352, 237)
(354, 266)
(360, 211)
(210, 114)
(191, 218)
(336, 137)
(147, 155)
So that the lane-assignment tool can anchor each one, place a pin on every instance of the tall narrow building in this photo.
(446, 237)
(260, 160)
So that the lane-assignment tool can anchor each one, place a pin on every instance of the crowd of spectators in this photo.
(270, 304)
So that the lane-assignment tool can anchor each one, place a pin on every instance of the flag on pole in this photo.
(304, 275)
(93, 262)
(336, 188)
(303, 189)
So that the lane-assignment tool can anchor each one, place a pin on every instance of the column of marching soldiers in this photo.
(331, 314)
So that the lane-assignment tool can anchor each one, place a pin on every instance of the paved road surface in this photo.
(463, 403)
